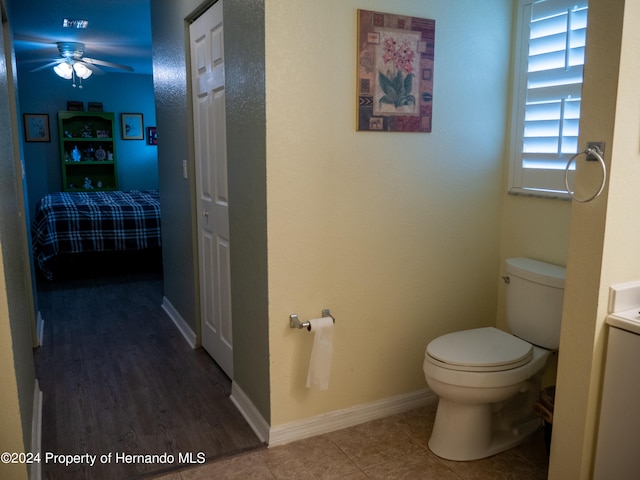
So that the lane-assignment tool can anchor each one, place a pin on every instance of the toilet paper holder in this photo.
(294, 321)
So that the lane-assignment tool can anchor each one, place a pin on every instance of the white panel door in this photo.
(207, 72)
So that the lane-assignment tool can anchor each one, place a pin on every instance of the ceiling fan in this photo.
(74, 64)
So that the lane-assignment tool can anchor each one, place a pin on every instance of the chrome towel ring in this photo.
(597, 153)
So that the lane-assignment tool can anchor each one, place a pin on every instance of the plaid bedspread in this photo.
(72, 222)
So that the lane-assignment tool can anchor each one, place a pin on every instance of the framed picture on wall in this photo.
(132, 126)
(36, 127)
(152, 136)
(395, 72)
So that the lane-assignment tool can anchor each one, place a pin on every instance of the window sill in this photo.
(538, 193)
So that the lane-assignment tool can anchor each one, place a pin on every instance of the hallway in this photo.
(118, 378)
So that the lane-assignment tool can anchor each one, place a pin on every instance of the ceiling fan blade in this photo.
(34, 42)
(51, 64)
(40, 60)
(107, 64)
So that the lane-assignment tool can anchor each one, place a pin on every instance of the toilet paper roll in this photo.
(321, 353)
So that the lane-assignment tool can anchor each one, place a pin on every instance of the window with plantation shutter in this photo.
(547, 93)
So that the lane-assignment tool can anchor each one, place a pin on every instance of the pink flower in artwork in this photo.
(389, 50)
(404, 57)
(396, 88)
(400, 54)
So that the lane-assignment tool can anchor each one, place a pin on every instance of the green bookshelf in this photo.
(87, 151)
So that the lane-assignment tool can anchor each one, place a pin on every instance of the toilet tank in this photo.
(535, 291)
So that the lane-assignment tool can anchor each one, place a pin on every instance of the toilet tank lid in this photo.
(537, 271)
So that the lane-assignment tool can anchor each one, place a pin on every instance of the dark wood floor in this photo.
(118, 378)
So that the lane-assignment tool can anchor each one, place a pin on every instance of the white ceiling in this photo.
(119, 31)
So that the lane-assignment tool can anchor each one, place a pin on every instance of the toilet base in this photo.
(464, 432)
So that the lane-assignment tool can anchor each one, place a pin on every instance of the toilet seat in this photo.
(479, 350)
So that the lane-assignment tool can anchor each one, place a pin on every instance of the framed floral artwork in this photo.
(395, 72)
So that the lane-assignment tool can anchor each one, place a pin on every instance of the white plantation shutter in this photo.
(548, 92)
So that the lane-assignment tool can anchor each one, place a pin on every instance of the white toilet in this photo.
(487, 380)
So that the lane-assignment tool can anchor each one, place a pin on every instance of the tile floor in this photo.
(390, 448)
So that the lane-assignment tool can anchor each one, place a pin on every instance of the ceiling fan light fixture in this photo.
(74, 66)
(81, 70)
(64, 70)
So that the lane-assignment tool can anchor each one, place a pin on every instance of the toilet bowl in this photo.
(486, 397)
(487, 380)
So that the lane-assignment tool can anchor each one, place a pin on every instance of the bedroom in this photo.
(44, 93)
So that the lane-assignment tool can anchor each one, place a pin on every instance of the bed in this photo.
(76, 222)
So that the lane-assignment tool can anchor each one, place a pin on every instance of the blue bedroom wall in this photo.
(44, 92)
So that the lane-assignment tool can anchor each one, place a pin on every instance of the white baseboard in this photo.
(250, 413)
(35, 472)
(348, 417)
(39, 330)
(309, 427)
(179, 322)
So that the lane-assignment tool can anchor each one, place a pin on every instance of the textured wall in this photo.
(17, 375)
(175, 144)
(246, 150)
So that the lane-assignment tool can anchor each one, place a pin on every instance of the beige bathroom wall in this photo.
(397, 233)
(603, 239)
(532, 227)
(13, 436)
